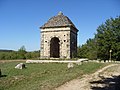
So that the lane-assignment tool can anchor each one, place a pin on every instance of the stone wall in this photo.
(73, 42)
(63, 34)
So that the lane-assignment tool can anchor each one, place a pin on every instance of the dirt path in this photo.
(106, 78)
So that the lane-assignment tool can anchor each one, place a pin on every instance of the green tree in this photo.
(108, 38)
(92, 49)
(21, 53)
(82, 51)
(88, 50)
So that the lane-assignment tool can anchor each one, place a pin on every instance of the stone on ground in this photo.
(20, 66)
(70, 65)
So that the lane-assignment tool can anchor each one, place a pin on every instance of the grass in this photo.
(41, 76)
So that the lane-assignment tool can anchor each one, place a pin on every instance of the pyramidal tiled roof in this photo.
(58, 21)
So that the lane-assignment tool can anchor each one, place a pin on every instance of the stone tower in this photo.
(58, 38)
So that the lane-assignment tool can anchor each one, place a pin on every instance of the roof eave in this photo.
(55, 26)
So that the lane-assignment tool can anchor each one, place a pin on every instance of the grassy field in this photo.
(41, 76)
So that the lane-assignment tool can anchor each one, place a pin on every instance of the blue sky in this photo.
(20, 19)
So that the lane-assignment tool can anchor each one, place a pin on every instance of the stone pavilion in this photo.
(58, 38)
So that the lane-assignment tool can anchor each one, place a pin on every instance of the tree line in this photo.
(106, 43)
(20, 54)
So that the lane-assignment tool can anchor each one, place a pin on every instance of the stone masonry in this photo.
(58, 38)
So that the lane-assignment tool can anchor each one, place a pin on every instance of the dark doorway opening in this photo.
(54, 48)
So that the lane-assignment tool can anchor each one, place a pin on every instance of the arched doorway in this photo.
(54, 48)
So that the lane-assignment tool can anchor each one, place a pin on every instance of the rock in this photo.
(70, 65)
(20, 66)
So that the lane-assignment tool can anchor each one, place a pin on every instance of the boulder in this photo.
(70, 65)
(20, 66)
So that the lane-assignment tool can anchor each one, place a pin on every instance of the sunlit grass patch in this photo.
(42, 76)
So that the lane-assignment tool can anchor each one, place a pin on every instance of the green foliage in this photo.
(22, 49)
(42, 76)
(81, 52)
(2, 55)
(108, 38)
(88, 50)
(20, 54)
(33, 55)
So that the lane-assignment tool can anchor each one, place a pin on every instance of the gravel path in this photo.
(107, 78)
